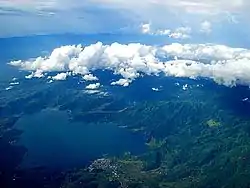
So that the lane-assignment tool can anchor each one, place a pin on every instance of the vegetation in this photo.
(193, 140)
(183, 153)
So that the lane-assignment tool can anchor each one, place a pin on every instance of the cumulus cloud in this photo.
(37, 74)
(185, 87)
(61, 76)
(122, 82)
(206, 27)
(93, 86)
(155, 89)
(90, 77)
(223, 64)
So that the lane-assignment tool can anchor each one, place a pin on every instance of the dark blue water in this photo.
(52, 141)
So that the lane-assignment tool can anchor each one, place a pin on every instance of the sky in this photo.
(211, 38)
(29, 17)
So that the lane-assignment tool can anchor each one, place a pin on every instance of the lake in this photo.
(54, 142)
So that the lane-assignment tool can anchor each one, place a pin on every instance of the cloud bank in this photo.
(223, 64)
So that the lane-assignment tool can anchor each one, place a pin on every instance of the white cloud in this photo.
(145, 28)
(98, 92)
(206, 27)
(37, 74)
(9, 88)
(223, 64)
(181, 33)
(178, 33)
(92, 91)
(61, 76)
(90, 77)
(163, 32)
(155, 89)
(185, 87)
(14, 83)
(245, 99)
(122, 82)
(93, 86)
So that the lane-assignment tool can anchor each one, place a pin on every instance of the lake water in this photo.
(53, 141)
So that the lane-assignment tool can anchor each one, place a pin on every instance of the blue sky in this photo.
(27, 17)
